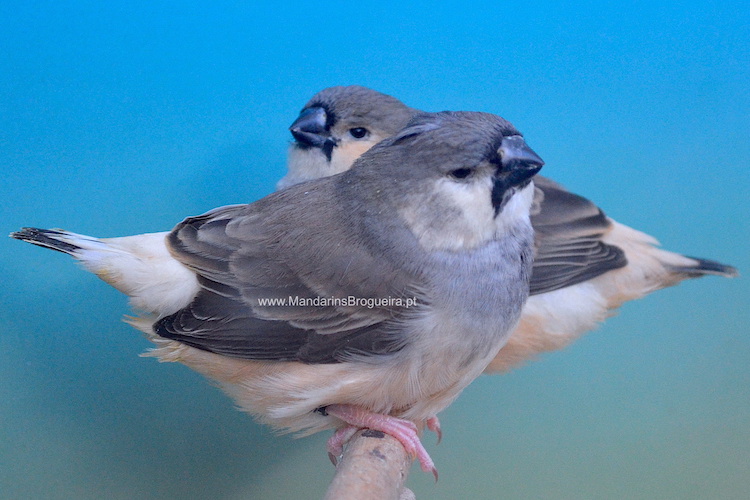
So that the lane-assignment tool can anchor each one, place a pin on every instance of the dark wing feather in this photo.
(568, 239)
(246, 253)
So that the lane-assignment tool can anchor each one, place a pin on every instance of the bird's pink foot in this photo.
(359, 418)
(434, 425)
(336, 444)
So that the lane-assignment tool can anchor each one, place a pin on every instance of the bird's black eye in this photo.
(460, 173)
(358, 132)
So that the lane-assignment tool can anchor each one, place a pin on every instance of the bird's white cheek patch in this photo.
(307, 164)
(457, 216)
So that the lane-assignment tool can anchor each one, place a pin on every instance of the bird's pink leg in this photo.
(359, 418)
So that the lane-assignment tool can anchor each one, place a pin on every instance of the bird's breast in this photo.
(477, 302)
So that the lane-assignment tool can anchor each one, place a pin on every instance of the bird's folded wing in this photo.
(268, 292)
(568, 239)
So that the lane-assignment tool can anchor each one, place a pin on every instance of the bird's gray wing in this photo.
(244, 255)
(568, 239)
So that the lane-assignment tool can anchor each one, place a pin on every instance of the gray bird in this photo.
(358, 300)
(586, 265)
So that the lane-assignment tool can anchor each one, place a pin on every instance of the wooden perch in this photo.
(374, 466)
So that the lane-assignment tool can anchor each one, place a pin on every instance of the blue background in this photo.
(119, 118)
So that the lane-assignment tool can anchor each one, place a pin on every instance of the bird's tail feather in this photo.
(140, 266)
(704, 267)
(54, 239)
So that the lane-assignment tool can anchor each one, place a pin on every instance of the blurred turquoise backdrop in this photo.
(119, 118)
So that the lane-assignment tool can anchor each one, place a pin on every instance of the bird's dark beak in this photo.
(518, 164)
(309, 129)
(519, 161)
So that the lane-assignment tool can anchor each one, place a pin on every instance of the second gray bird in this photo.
(585, 264)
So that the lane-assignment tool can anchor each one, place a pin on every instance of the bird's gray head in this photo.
(457, 178)
(336, 126)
